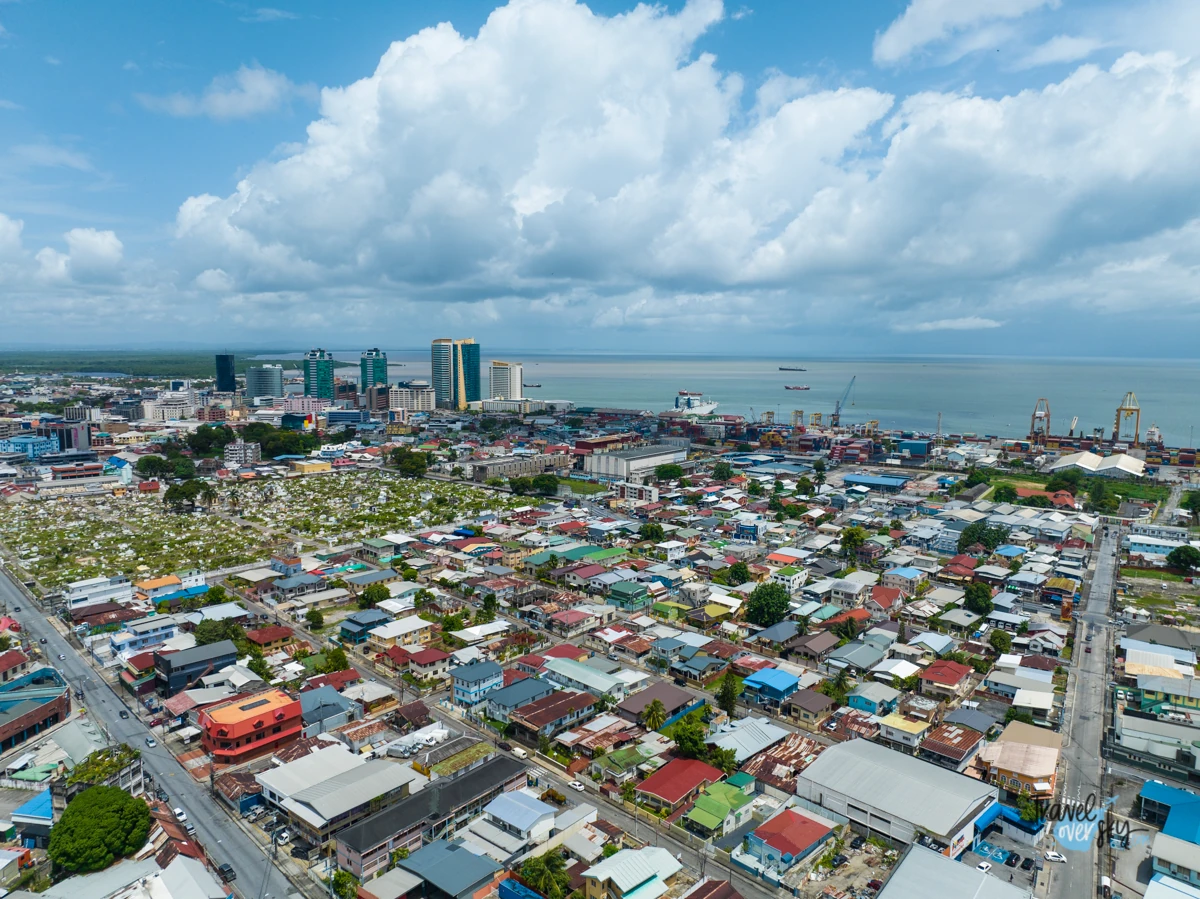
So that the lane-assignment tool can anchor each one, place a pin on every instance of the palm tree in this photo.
(628, 791)
(803, 623)
(841, 681)
(655, 715)
(208, 494)
(547, 874)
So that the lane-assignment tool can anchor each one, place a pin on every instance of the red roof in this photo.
(679, 778)
(532, 661)
(512, 675)
(571, 526)
(571, 616)
(269, 634)
(886, 597)
(946, 672)
(791, 832)
(859, 615)
(563, 651)
(339, 680)
(398, 655)
(142, 661)
(964, 560)
(12, 659)
(428, 656)
(7, 624)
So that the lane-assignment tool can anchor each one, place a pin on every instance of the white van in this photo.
(519, 752)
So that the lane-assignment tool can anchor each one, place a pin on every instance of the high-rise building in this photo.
(226, 380)
(455, 372)
(413, 396)
(264, 380)
(318, 374)
(372, 369)
(506, 381)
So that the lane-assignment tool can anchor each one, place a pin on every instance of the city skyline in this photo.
(883, 174)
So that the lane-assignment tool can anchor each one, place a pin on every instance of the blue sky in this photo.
(910, 175)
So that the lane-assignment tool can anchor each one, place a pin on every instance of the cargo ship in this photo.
(797, 387)
(791, 368)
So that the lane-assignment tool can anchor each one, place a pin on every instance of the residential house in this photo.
(677, 781)
(902, 732)
(720, 809)
(411, 631)
(645, 872)
(808, 708)
(1020, 769)
(951, 745)
(906, 579)
(787, 839)
(769, 687)
(873, 698)
(551, 714)
(472, 682)
(499, 702)
(428, 664)
(356, 627)
(945, 679)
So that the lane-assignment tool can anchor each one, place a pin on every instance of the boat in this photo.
(531, 385)
(689, 402)
(797, 387)
(791, 368)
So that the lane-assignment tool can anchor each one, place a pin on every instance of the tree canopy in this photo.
(978, 599)
(373, 595)
(545, 484)
(409, 463)
(1185, 558)
(668, 472)
(1005, 493)
(210, 631)
(99, 826)
(547, 873)
(739, 573)
(727, 695)
(651, 530)
(654, 715)
(722, 471)
(852, 539)
(1000, 640)
(980, 532)
(768, 604)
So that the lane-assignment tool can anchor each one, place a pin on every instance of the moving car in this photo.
(227, 873)
(1087, 649)
(984, 867)
(43, 640)
(576, 786)
(180, 814)
(1055, 857)
(189, 827)
(151, 742)
(61, 657)
(124, 714)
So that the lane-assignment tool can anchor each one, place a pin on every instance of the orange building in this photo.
(249, 726)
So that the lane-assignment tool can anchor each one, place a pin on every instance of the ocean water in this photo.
(981, 395)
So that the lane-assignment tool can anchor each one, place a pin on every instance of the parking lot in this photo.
(1009, 860)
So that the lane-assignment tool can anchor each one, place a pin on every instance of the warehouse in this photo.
(894, 795)
(632, 464)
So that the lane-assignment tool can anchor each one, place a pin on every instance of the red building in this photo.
(249, 726)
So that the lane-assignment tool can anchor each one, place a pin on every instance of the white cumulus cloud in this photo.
(926, 22)
(1063, 48)
(248, 92)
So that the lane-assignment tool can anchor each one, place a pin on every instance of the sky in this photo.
(877, 177)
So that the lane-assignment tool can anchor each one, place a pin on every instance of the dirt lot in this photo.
(861, 866)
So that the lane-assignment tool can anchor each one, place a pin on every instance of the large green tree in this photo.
(722, 471)
(211, 631)
(980, 532)
(1000, 640)
(978, 599)
(668, 472)
(99, 826)
(688, 734)
(738, 573)
(768, 604)
(547, 873)
(373, 595)
(651, 530)
(654, 715)
(1184, 558)
(852, 540)
(410, 464)
(545, 484)
(1005, 493)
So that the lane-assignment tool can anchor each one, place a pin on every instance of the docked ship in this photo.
(689, 402)
(796, 387)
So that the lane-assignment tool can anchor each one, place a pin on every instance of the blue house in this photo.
(770, 687)
(356, 628)
(1177, 812)
(472, 682)
(874, 698)
(788, 838)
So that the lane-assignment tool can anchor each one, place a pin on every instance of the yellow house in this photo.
(411, 631)
(310, 466)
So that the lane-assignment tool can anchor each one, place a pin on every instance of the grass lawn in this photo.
(583, 488)
(1152, 575)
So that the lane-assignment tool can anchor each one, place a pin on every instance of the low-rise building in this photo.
(551, 714)
(677, 781)
(472, 682)
(646, 872)
(176, 671)
(249, 726)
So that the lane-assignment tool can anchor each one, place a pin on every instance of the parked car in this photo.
(984, 867)
(507, 747)
(227, 873)
(1087, 649)
(180, 814)
(875, 885)
(839, 860)
(576, 786)
(1012, 860)
(858, 843)
(151, 742)
(161, 795)
(1053, 856)
(189, 827)
(301, 852)
(283, 837)
(1027, 864)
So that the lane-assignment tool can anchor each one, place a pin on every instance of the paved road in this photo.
(219, 835)
(1082, 735)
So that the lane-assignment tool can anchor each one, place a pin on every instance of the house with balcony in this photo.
(873, 698)
(249, 726)
(472, 682)
(411, 631)
(356, 627)
(769, 687)
(646, 872)
(906, 578)
(945, 679)
(551, 715)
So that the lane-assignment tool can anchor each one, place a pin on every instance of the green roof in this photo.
(728, 794)
(378, 543)
(825, 613)
(706, 819)
(741, 780)
(788, 571)
(579, 552)
(628, 588)
(603, 555)
(460, 760)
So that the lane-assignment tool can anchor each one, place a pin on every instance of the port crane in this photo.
(1128, 409)
(836, 418)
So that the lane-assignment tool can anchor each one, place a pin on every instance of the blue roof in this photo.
(1157, 791)
(872, 480)
(297, 580)
(905, 572)
(477, 672)
(40, 806)
(449, 868)
(1010, 552)
(773, 678)
(1183, 820)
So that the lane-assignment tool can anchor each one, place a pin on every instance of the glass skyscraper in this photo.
(455, 372)
(372, 369)
(264, 380)
(318, 374)
(226, 381)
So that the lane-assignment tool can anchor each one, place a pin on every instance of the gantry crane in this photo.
(1128, 409)
(1039, 422)
(836, 418)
